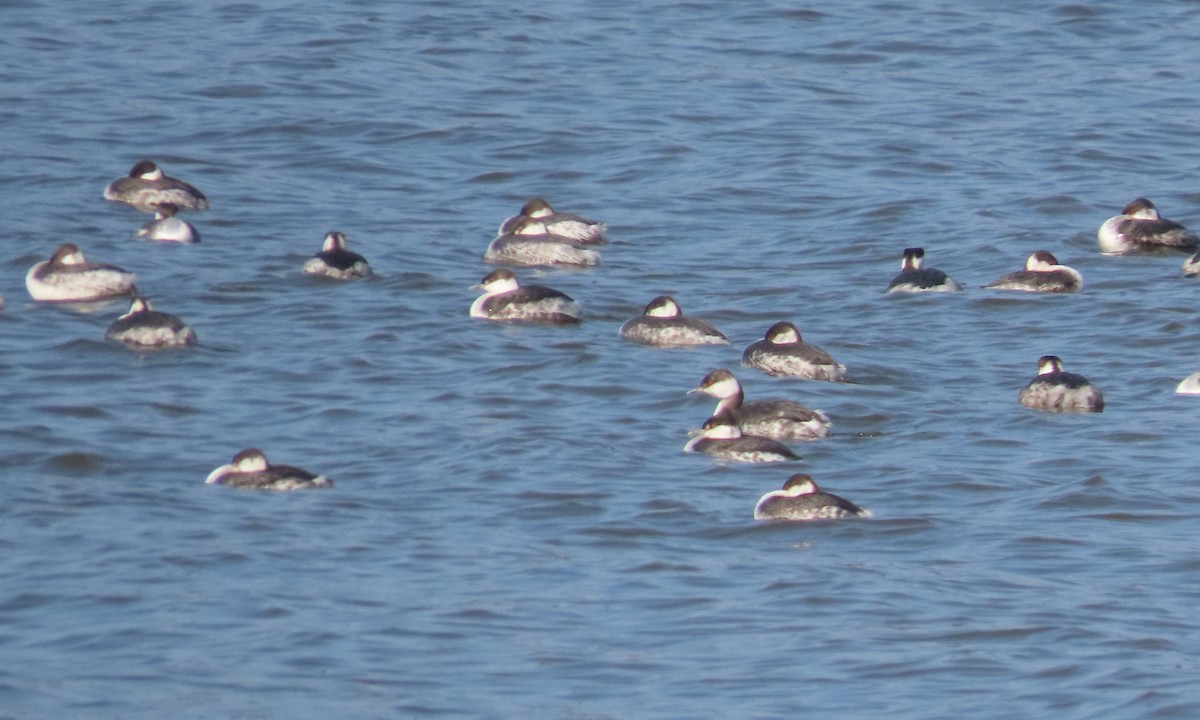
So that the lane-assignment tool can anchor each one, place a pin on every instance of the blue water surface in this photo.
(515, 530)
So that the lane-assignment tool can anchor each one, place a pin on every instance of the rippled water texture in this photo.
(515, 531)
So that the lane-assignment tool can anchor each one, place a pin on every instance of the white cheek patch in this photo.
(723, 432)
(532, 228)
(786, 337)
(723, 388)
(1036, 264)
(501, 285)
(256, 463)
(802, 488)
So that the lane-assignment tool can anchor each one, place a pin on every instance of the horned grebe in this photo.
(772, 418)
(801, 499)
(1139, 227)
(783, 352)
(68, 277)
(250, 469)
(146, 187)
(143, 328)
(914, 277)
(165, 227)
(721, 438)
(572, 227)
(662, 323)
(335, 261)
(528, 242)
(1059, 391)
(1042, 273)
(504, 299)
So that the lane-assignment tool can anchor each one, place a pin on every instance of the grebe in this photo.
(1042, 273)
(143, 328)
(721, 438)
(250, 469)
(1139, 227)
(528, 242)
(504, 299)
(572, 227)
(68, 277)
(914, 277)
(772, 418)
(165, 227)
(335, 261)
(801, 499)
(662, 323)
(783, 352)
(1059, 391)
(146, 187)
